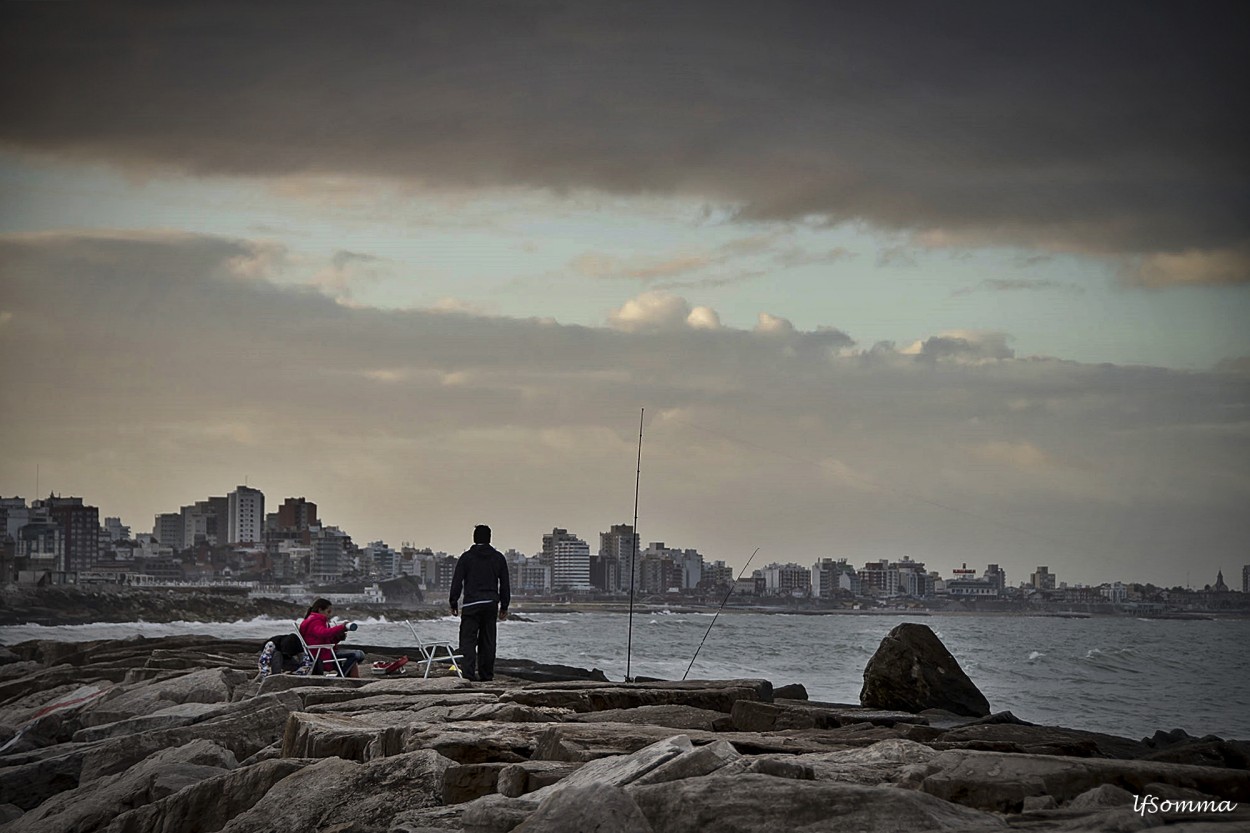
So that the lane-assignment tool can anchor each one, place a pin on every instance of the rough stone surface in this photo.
(674, 717)
(912, 671)
(693, 763)
(587, 742)
(1041, 740)
(496, 814)
(889, 762)
(334, 793)
(587, 808)
(465, 782)
(589, 697)
(764, 804)
(28, 784)
(183, 714)
(254, 726)
(622, 769)
(205, 685)
(209, 804)
(92, 806)
(1105, 795)
(518, 779)
(1001, 782)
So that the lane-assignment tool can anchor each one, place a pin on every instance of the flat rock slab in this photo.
(587, 807)
(896, 762)
(335, 794)
(209, 804)
(402, 702)
(249, 728)
(93, 805)
(591, 697)
(674, 717)
(765, 804)
(1001, 782)
(622, 769)
(183, 714)
(1041, 740)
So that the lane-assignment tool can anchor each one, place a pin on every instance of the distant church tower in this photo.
(1220, 586)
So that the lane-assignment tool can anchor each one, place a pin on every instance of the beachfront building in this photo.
(570, 566)
(787, 580)
(245, 516)
(619, 544)
(833, 577)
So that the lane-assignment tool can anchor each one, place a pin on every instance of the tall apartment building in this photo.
(996, 576)
(80, 526)
(570, 565)
(1043, 579)
(204, 522)
(246, 516)
(117, 531)
(297, 513)
(619, 544)
(167, 530)
(787, 580)
(1245, 579)
(830, 577)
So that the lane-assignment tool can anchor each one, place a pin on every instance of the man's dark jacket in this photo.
(483, 573)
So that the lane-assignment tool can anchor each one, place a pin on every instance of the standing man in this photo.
(483, 573)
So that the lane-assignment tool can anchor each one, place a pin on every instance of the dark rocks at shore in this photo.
(178, 735)
(73, 605)
(913, 671)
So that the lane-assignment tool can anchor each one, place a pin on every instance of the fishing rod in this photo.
(718, 610)
(633, 552)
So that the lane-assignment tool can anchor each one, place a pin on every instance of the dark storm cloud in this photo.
(1111, 127)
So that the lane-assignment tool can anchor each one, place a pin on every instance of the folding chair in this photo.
(314, 651)
(432, 652)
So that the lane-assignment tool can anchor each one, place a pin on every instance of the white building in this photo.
(570, 569)
(246, 516)
(787, 580)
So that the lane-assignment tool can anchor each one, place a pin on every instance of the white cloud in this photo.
(651, 311)
(749, 438)
(769, 324)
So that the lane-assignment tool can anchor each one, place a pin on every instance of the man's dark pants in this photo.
(477, 640)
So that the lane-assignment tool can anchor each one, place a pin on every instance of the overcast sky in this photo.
(964, 283)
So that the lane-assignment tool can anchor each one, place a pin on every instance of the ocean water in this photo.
(1123, 676)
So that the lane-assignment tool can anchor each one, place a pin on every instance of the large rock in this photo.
(692, 763)
(335, 794)
(515, 780)
(717, 695)
(246, 729)
(30, 783)
(674, 717)
(913, 671)
(1001, 782)
(183, 714)
(91, 806)
(894, 762)
(587, 807)
(621, 769)
(1040, 740)
(764, 804)
(209, 804)
(206, 685)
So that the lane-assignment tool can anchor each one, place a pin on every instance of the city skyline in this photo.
(304, 512)
(966, 284)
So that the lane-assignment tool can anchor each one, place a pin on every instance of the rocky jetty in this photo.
(73, 605)
(178, 734)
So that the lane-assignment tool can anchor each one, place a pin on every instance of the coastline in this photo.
(73, 605)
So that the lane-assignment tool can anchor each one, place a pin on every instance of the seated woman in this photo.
(317, 630)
